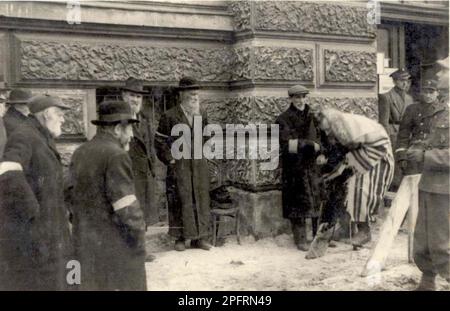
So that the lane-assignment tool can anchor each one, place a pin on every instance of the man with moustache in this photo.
(108, 223)
(34, 226)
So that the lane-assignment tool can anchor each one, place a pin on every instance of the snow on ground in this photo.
(273, 264)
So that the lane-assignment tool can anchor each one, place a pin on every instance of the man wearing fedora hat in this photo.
(187, 181)
(34, 227)
(391, 107)
(108, 223)
(18, 110)
(141, 149)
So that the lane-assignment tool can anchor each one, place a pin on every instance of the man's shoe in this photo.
(363, 236)
(150, 258)
(180, 246)
(303, 246)
(202, 244)
(427, 283)
(320, 243)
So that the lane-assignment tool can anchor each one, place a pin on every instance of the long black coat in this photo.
(187, 181)
(108, 224)
(300, 184)
(34, 227)
(141, 154)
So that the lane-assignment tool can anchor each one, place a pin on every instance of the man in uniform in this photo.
(432, 231)
(299, 145)
(187, 181)
(34, 226)
(18, 110)
(391, 107)
(416, 125)
(108, 223)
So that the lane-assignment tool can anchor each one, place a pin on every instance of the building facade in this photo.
(246, 53)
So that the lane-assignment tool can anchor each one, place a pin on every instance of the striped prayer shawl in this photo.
(372, 159)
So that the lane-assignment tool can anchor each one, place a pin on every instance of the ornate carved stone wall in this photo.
(302, 17)
(46, 60)
(350, 66)
(264, 110)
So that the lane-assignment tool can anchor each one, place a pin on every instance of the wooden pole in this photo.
(392, 223)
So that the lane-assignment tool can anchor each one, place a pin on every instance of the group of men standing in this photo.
(98, 215)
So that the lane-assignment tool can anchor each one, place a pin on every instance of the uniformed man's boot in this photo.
(201, 243)
(427, 283)
(321, 241)
(363, 236)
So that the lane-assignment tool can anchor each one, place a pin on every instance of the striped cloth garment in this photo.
(372, 158)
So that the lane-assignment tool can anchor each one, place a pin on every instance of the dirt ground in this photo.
(273, 264)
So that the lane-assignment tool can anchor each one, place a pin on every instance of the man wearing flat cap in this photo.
(299, 147)
(34, 227)
(17, 109)
(108, 223)
(391, 107)
(432, 231)
(187, 181)
(142, 149)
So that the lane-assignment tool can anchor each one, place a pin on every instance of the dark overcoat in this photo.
(14, 119)
(142, 157)
(300, 183)
(391, 107)
(2, 137)
(187, 181)
(108, 224)
(34, 227)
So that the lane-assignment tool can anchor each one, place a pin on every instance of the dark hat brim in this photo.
(126, 89)
(102, 122)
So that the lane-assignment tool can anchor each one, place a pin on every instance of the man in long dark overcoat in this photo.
(108, 224)
(187, 182)
(141, 149)
(34, 226)
(299, 145)
(391, 107)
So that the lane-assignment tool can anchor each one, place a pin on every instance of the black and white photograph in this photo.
(224, 146)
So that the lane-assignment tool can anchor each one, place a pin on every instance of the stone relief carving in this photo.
(320, 18)
(283, 64)
(350, 66)
(241, 11)
(85, 61)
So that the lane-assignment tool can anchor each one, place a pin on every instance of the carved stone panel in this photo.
(272, 63)
(241, 11)
(75, 119)
(74, 61)
(349, 66)
(313, 18)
